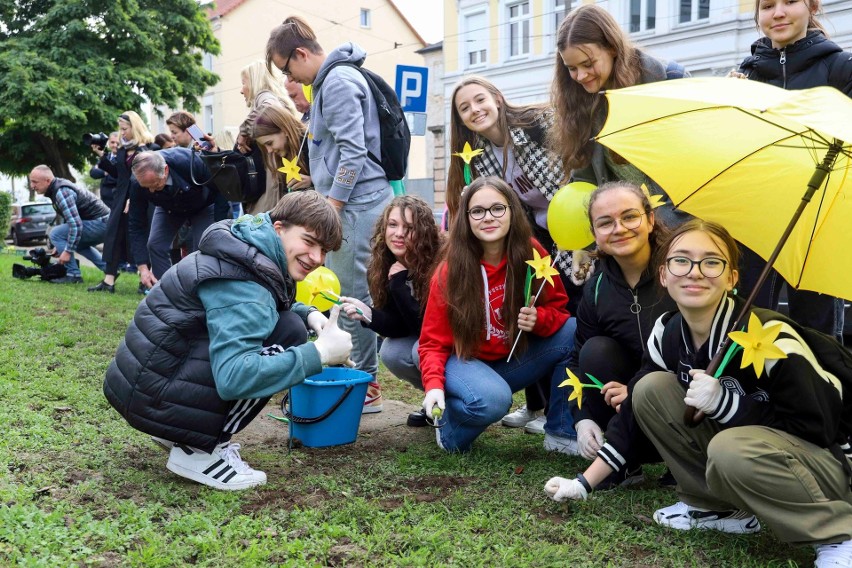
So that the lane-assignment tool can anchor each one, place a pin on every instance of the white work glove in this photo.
(560, 489)
(704, 392)
(351, 306)
(433, 397)
(333, 344)
(590, 438)
(317, 321)
(582, 266)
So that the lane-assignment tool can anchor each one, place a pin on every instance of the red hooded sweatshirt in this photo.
(436, 337)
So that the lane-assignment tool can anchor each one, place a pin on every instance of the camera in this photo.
(44, 268)
(100, 140)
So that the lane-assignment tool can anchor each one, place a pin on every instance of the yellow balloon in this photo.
(318, 280)
(567, 219)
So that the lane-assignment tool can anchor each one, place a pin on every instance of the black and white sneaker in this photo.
(223, 469)
(682, 517)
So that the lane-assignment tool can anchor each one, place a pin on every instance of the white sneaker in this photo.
(520, 417)
(535, 426)
(837, 555)
(565, 445)
(682, 517)
(223, 469)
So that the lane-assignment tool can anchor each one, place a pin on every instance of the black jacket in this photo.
(89, 206)
(607, 309)
(813, 61)
(401, 316)
(120, 170)
(161, 380)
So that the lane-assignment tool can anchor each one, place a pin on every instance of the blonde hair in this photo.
(259, 78)
(140, 132)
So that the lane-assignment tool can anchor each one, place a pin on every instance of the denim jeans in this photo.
(349, 264)
(479, 393)
(93, 234)
(400, 355)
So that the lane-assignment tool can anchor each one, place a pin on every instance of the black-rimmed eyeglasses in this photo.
(710, 267)
(497, 210)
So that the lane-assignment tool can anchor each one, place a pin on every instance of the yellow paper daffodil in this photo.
(542, 267)
(574, 381)
(291, 169)
(468, 153)
(655, 200)
(758, 344)
(308, 91)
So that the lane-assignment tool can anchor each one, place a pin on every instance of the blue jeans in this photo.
(479, 393)
(400, 355)
(93, 234)
(349, 264)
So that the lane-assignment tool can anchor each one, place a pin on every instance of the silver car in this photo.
(30, 221)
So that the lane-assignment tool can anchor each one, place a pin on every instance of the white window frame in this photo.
(366, 18)
(518, 29)
(559, 9)
(481, 41)
(695, 8)
(643, 16)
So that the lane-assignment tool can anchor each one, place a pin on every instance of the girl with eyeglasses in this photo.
(614, 320)
(595, 54)
(774, 437)
(513, 143)
(406, 247)
(475, 311)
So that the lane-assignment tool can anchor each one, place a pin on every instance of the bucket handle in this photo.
(320, 418)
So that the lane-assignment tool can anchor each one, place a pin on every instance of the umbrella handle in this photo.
(692, 417)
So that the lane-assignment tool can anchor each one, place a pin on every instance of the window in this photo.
(476, 39)
(643, 15)
(694, 10)
(208, 118)
(365, 17)
(560, 10)
(519, 29)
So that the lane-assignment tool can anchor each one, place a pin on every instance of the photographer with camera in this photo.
(85, 218)
(102, 146)
(164, 179)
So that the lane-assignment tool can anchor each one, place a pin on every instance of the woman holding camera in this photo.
(134, 137)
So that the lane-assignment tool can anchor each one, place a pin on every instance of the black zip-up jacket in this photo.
(401, 316)
(607, 309)
(813, 61)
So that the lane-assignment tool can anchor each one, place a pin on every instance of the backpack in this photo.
(395, 136)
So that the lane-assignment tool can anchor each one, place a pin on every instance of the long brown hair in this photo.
(273, 119)
(508, 115)
(420, 260)
(660, 230)
(579, 113)
(293, 33)
(463, 286)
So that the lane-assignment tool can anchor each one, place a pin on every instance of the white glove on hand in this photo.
(351, 306)
(560, 489)
(333, 344)
(582, 266)
(590, 438)
(317, 321)
(434, 397)
(704, 393)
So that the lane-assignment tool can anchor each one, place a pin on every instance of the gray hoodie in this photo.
(344, 127)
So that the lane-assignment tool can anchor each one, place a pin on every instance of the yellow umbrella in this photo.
(768, 164)
(743, 153)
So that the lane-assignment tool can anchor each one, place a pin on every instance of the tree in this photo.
(72, 66)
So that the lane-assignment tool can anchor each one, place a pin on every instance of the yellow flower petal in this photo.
(758, 344)
(468, 153)
(574, 381)
(542, 267)
(655, 200)
(291, 169)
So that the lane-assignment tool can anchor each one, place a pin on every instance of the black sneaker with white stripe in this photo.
(223, 469)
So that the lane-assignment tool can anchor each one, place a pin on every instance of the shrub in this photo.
(5, 212)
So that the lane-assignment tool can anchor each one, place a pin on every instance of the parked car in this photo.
(30, 221)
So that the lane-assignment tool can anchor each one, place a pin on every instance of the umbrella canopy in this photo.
(742, 153)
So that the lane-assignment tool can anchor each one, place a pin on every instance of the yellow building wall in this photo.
(452, 37)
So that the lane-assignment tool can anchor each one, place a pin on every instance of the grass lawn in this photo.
(79, 487)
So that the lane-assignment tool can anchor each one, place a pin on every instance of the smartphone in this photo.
(198, 135)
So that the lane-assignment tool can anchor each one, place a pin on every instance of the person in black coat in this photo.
(108, 182)
(795, 54)
(164, 179)
(134, 138)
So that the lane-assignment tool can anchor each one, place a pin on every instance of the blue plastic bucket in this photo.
(325, 410)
